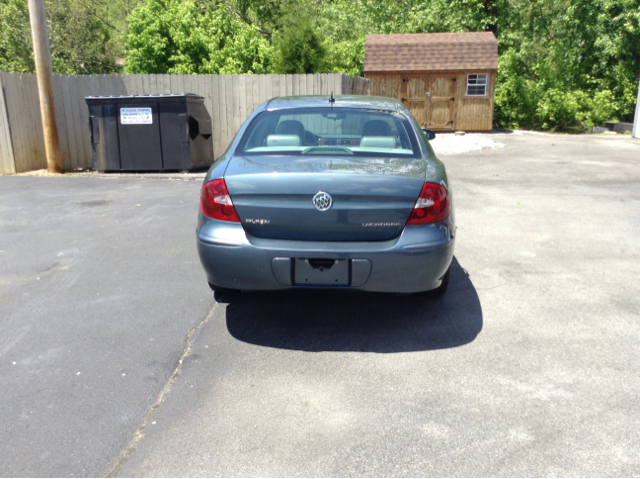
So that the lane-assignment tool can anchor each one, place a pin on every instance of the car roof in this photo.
(341, 101)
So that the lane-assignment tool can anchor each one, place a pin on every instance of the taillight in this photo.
(432, 206)
(215, 202)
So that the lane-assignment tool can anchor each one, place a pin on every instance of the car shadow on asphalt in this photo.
(320, 320)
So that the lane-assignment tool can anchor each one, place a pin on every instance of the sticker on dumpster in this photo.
(135, 116)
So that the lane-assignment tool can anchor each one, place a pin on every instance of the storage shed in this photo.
(447, 80)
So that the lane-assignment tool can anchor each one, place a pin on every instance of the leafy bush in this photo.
(172, 36)
(345, 57)
(567, 65)
(16, 52)
(298, 49)
(80, 40)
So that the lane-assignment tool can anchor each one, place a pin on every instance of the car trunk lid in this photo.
(372, 198)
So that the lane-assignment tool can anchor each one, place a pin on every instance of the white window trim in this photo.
(486, 84)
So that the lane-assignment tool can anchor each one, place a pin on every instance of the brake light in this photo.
(215, 202)
(432, 206)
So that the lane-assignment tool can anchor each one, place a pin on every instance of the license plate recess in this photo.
(321, 272)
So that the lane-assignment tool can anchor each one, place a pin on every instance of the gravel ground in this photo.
(452, 144)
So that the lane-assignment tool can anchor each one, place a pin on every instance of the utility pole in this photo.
(42, 55)
(636, 119)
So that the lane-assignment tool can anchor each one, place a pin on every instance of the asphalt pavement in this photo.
(115, 360)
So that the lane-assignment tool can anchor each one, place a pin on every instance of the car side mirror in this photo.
(428, 133)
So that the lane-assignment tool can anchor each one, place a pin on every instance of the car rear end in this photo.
(327, 198)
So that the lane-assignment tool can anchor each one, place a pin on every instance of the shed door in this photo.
(441, 93)
(417, 99)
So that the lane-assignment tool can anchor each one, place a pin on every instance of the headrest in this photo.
(378, 142)
(283, 140)
(376, 128)
(290, 127)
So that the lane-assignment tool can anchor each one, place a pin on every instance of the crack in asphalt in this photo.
(164, 393)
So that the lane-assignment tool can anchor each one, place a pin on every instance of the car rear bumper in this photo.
(415, 261)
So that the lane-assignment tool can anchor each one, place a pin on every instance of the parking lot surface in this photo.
(115, 360)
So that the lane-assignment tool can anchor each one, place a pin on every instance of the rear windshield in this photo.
(330, 131)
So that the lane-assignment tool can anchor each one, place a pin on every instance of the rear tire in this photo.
(440, 290)
(223, 295)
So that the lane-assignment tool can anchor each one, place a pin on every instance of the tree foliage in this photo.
(80, 39)
(173, 36)
(298, 48)
(567, 64)
(16, 52)
(563, 64)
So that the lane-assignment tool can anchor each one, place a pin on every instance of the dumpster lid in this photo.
(169, 97)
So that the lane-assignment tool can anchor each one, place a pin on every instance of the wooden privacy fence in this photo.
(230, 99)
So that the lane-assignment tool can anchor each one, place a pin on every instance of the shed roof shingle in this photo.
(431, 51)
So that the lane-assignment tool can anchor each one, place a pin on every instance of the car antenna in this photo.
(332, 100)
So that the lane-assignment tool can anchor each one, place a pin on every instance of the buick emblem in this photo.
(322, 201)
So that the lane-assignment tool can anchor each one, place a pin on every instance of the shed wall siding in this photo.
(387, 85)
(475, 113)
(469, 113)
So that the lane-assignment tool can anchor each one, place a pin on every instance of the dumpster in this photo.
(150, 132)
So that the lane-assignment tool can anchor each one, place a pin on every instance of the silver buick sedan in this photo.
(323, 192)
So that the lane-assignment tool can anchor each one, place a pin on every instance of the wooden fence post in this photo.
(7, 160)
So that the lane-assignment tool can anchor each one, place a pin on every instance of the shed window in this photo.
(477, 84)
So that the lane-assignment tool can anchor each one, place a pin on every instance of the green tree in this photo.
(265, 15)
(173, 36)
(80, 40)
(343, 24)
(567, 65)
(16, 53)
(563, 64)
(298, 48)
(114, 14)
